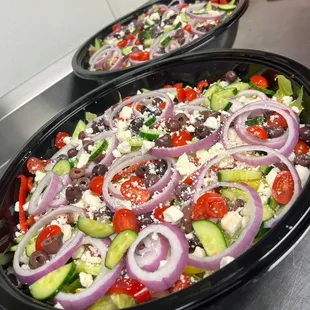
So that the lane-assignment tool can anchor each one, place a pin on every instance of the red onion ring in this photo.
(194, 30)
(176, 11)
(60, 259)
(100, 57)
(153, 253)
(192, 7)
(166, 276)
(98, 288)
(173, 1)
(48, 188)
(247, 236)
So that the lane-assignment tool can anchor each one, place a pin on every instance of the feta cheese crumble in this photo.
(231, 222)
(184, 166)
(86, 279)
(173, 214)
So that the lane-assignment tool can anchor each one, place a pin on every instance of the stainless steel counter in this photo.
(278, 26)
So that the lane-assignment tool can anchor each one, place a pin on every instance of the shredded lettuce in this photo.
(298, 102)
(90, 116)
(285, 87)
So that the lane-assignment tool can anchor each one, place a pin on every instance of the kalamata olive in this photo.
(157, 101)
(38, 259)
(82, 135)
(231, 76)
(181, 118)
(62, 156)
(204, 115)
(83, 183)
(72, 152)
(201, 132)
(303, 160)
(99, 158)
(135, 49)
(181, 40)
(274, 132)
(52, 244)
(236, 204)
(73, 194)
(77, 173)
(186, 222)
(161, 167)
(164, 141)
(267, 115)
(183, 192)
(205, 28)
(304, 134)
(179, 33)
(101, 214)
(100, 170)
(87, 143)
(194, 242)
(127, 31)
(151, 179)
(215, 114)
(173, 125)
(140, 172)
(146, 110)
(145, 219)
(136, 124)
(157, 112)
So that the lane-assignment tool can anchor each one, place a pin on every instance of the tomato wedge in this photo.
(135, 191)
(96, 185)
(159, 213)
(181, 138)
(301, 148)
(258, 132)
(209, 205)
(277, 120)
(259, 81)
(59, 143)
(49, 231)
(181, 284)
(125, 219)
(190, 94)
(201, 85)
(35, 164)
(283, 187)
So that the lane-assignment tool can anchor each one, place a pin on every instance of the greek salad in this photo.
(160, 30)
(159, 192)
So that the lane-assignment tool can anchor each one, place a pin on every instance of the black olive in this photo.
(193, 243)
(136, 124)
(127, 31)
(145, 219)
(231, 76)
(83, 183)
(73, 194)
(145, 109)
(151, 179)
(100, 170)
(140, 172)
(161, 167)
(183, 192)
(304, 134)
(181, 40)
(274, 132)
(82, 135)
(303, 160)
(179, 33)
(201, 132)
(38, 259)
(204, 28)
(173, 125)
(205, 115)
(87, 143)
(72, 152)
(52, 245)
(236, 204)
(186, 222)
(164, 141)
(156, 101)
(181, 118)
(77, 173)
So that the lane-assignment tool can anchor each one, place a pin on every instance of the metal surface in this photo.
(278, 26)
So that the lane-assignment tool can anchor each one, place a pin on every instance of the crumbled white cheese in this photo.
(231, 222)
(80, 204)
(121, 126)
(226, 260)
(124, 135)
(190, 128)
(272, 175)
(146, 146)
(124, 147)
(155, 236)
(126, 113)
(126, 204)
(227, 162)
(86, 279)
(287, 100)
(292, 157)
(155, 16)
(89, 131)
(116, 153)
(303, 173)
(67, 140)
(67, 231)
(206, 155)
(233, 138)
(199, 252)
(92, 200)
(189, 236)
(39, 176)
(173, 214)
(184, 166)
(177, 20)
(89, 258)
(264, 192)
(83, 160)
(244, 221)
(170, 13)
(212, 123)
(25, 206)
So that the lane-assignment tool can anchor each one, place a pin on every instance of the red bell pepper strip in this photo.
(23, 191)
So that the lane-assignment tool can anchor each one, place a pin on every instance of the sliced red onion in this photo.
(98, 288)
(48, 187)
(204, 143)
(194, 23)
(60, 200)
(197, 7)
(167, 275)
(180, 2)
(251, 93)
(62, 151)
(98, 65)
(104, 54)
(284, 144)
(255, 162)
(148, 206)
(174, 9)
(60, 259)
(246, 237)
(153, 251)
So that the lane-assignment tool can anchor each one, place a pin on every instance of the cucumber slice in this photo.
(30, 248)
(150, 121)
(72, 287)
(210, 236)
(135, 142)
(63, 166)
(149, 134)
(90, 116)
(211, 90)
(86, 267)
(127, 50)
(218, 103)
(52, 283)
(167, 29)
(13, 248)
(79, 128)
(266, 169)
(104, 303)
(227, 7)
(209, 6)
(268, 213)
(144, 90)
(184, 18)
(178, 25)
(238, 175)
(123, 301)
(258, 120)
(101, 146)
(148, 42)
(228, 93)
(206, 103)
(263, 90)
(119, 246)
(252, 183)
(239, 85)
(262, 232)
(234, 194)
(164, 42)
(272, 203)
(94, 229)
(98, 43)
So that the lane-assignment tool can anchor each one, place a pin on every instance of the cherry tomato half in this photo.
(122, 44)
(181, 284)
(125, 219)
(96, 185)
(135, 191)
(209, 205)
(181, 94)
(202, 85)
(301, 148)
(259, 81)
(185, 5)
(145, 56)
(190, 94)
(35, 164)
(277, 120)
(49, 231)
(258, 132)
(130, 37)
(131, 287)
(116, 27)
(59, 143)
(159, 213)
(181, 137)
(188, 28)
(283, 187)
(138, 42)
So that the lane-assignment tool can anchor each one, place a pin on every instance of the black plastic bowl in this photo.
(222, 36)
(188, 69)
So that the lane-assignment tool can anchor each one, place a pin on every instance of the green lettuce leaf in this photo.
(298, 102)
(285, 87)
